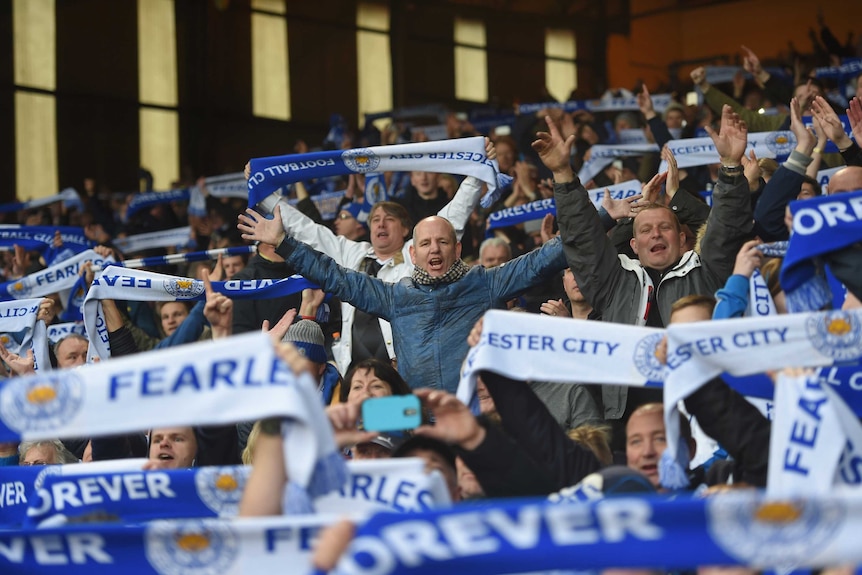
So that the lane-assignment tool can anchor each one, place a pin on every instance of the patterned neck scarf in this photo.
(458, 270)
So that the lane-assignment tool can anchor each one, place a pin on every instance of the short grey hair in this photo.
(56, 348)
(495, 242)
(61, 454)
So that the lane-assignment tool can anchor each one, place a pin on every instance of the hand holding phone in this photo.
(393, 413)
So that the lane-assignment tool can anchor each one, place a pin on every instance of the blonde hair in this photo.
(248, 452)
(597, 438)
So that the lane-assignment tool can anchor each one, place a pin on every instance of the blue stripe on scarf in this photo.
(147, 200)
(41, 238)
(820, 226)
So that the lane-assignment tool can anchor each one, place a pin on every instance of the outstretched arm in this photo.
(730, 220)
(366, 293)
(303, 228)
(588, 251)
(784, 185)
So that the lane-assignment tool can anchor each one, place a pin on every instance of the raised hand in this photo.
(453, 421)
(218, 309)
(854, 114)
(345, 418)
(255, 227)
(311, 300)
(752, 170)
(672, 185)
(805, 139)
(490, 149)
(555, 152)
(830, 122)
(731, 140)
(555, 307)
(20, 261)
(748, 259)
(698, 76)
(651, 190)
(19, 365)
(622, 208)
(547, 229)
(645, 103)
(751, 63)
(279, 330)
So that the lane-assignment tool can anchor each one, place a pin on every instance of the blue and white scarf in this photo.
(138, 285)
(540, 208)
(601, 155)
(41, 239)
(465, 156)
(698, 352)
(760, 302)
(226, 186)
(209, 383)
(184, 547)
(815, 445)
(820, 225)
(375, 188)
(660, 103)
(531, 347)
(723, 74)
(21, 331)
(400, 485)
(58, 278)
(175, 238)
(738, 528)
(149, 199)
(69, 197)
(58, 331)
(849, 67)
(327, 203)
(187, 257)
(701, 151)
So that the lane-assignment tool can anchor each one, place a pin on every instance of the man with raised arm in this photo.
(386, 257)
(432, 311)
(640, 291)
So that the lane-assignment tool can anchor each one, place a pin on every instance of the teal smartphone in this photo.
(392, 413)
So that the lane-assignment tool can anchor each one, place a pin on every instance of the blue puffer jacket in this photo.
(430, 324)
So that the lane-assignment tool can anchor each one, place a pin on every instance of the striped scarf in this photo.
(458, 270)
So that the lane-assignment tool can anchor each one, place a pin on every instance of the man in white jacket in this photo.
(386, 256)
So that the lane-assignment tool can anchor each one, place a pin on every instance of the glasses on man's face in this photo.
(31, 463)
(344, 216)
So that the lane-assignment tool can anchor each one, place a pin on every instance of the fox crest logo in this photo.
(361, 160)
(836, 334)
(183, 288)
(194, 547)
(42, 402)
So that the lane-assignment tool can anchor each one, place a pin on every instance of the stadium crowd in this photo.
(400, 287)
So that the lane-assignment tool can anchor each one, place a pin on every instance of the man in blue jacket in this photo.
(432, 311)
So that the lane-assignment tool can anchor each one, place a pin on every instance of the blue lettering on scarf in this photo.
(56, 549)
(12, 493)
(98, 490)
(809, 221)
(803, 434)
(482, 532)
(379, 489)
(758, 337)
(155, 381)
(304, 535)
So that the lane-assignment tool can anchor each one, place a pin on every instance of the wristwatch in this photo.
(732, 171)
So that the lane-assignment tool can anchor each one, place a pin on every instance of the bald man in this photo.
(433, 310)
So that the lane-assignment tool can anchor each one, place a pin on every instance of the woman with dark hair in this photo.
(372, 378)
